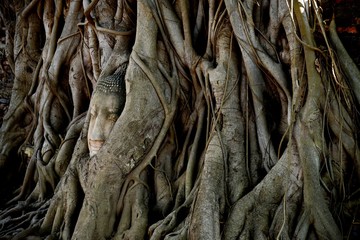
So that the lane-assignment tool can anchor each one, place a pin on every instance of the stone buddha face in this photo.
(105, 108)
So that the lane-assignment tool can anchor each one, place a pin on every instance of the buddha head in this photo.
(106, 105)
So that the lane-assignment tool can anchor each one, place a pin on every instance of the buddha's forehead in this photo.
(101, 100)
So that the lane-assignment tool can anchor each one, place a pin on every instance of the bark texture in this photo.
(240, 121)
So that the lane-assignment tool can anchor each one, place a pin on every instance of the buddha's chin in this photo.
(94, 147)
(93, 152)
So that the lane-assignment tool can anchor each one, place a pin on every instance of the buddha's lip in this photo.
(96, 145)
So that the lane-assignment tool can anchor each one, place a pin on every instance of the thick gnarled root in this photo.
(14, 224)
(59, 219)
(134, 216)
(253, 215)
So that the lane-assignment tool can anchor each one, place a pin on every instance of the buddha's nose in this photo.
(97, 132)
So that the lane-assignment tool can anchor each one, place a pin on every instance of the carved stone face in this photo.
(105, 108)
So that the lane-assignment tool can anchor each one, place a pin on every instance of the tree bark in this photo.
(240, 121)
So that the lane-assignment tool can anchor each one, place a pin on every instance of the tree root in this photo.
(64, 205)
(212, 140)
(15, 224)
(209, 206)
(134, 217)
(251, 215)
(160, 229)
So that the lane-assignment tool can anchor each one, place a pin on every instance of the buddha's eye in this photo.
(113, 117)
(92, 113)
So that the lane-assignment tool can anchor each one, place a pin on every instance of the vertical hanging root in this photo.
(209, 203)
(316, 210)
